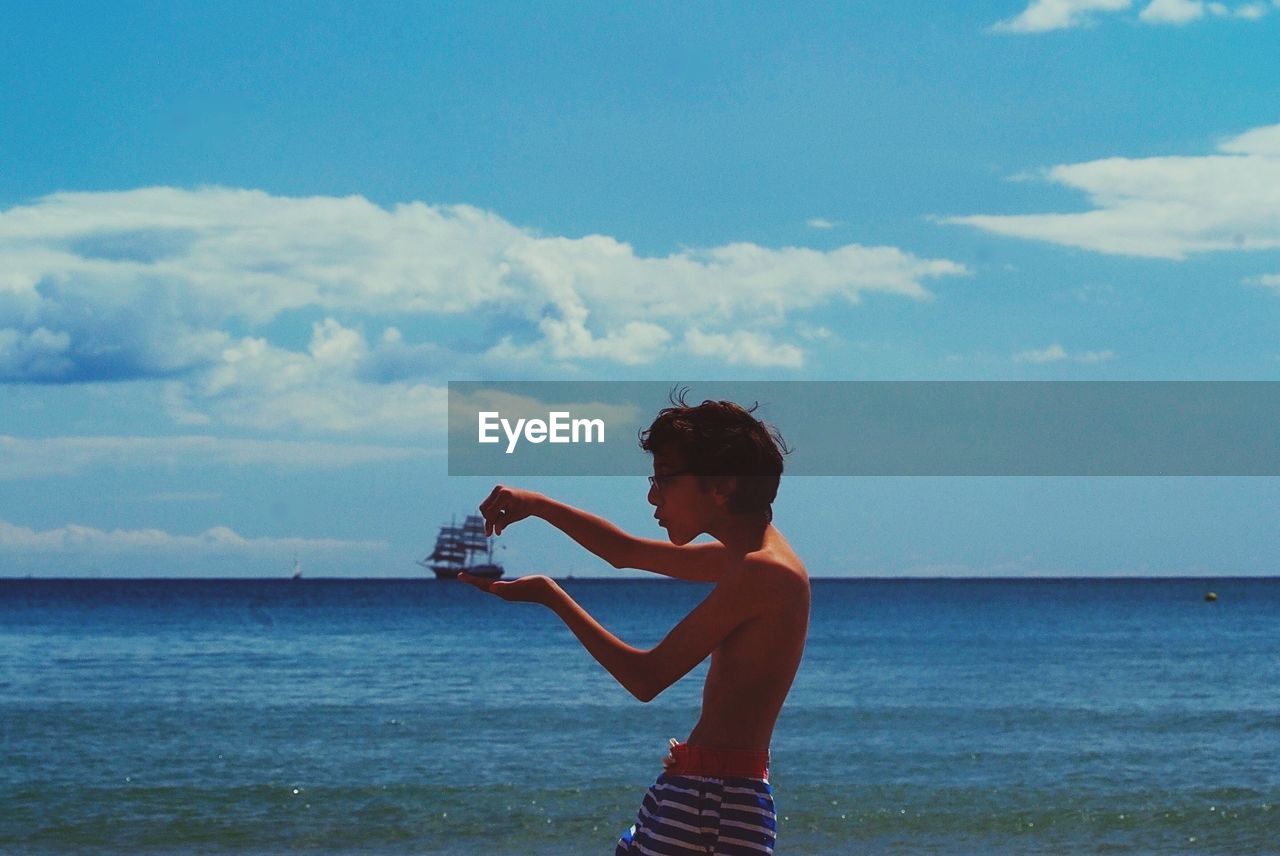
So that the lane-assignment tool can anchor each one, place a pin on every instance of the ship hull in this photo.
(484, 572)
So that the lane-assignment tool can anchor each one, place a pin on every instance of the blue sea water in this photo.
(335, 716)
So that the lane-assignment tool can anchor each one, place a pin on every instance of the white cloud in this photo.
(1055, 353)
(1103, 294)
(821, 223)
(1247, 11)
(1172, 11)
(743, 347)
(196, 288)
(568, 338)
(1260, 142)
(1044, 15)
(74, 538)
(255, 384)
(1266, 280)
(1052, 354)
(1179, 12)
(36, 352)
(22, 457)
(1164, 207)
(812, 333)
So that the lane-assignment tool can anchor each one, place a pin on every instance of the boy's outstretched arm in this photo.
(697, 562)
(644, 674)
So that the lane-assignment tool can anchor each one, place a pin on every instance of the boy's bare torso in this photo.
(753, 669)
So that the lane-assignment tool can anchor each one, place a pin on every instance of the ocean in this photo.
(399, 716)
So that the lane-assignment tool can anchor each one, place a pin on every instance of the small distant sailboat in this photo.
(297, 568)
(463, 548)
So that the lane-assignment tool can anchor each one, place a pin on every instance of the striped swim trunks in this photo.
(709, 801)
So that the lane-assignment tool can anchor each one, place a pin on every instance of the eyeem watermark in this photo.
(899, 428)
(559, 427)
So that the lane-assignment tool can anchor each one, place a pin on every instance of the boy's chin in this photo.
(679, 538)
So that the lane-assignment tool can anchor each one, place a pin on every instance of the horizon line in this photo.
(656, 578)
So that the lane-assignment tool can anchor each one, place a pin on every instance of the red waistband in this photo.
(718, 763)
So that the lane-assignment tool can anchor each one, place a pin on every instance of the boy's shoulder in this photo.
(772, 574)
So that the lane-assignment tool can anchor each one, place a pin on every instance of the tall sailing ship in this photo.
(463, 548)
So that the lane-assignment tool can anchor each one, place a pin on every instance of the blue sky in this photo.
(242, 250)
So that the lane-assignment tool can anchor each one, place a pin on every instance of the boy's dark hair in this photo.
(720, 438)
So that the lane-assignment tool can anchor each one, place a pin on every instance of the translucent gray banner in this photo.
(886, 428)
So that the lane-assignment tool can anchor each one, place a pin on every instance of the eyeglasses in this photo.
(659, 481)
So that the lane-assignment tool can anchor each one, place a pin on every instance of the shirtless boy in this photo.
(715, 470)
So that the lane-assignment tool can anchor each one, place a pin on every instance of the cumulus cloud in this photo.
(1046, 15)
(206, 289)
(1055, 353)
(255, 384)
(74, 538)
(1164, 207)
(1172, 11)
(37, 352)
(22, 457)
(743, 347)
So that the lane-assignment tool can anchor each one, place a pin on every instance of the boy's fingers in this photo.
(670, 758)
(486, 508)
(497, 499)
(501, 508)
(501, 517)
(483, 585)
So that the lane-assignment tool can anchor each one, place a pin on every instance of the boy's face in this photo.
(680, 503)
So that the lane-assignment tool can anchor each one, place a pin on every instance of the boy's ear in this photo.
(723, 487)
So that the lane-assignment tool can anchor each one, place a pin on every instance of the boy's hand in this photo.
(670, 760)
(535, 589)
(506, 505)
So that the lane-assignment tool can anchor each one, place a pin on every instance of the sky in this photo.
(244, 247)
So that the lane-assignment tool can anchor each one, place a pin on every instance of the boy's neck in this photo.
(742, 533)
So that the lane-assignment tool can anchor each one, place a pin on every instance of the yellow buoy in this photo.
(1211, 596)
